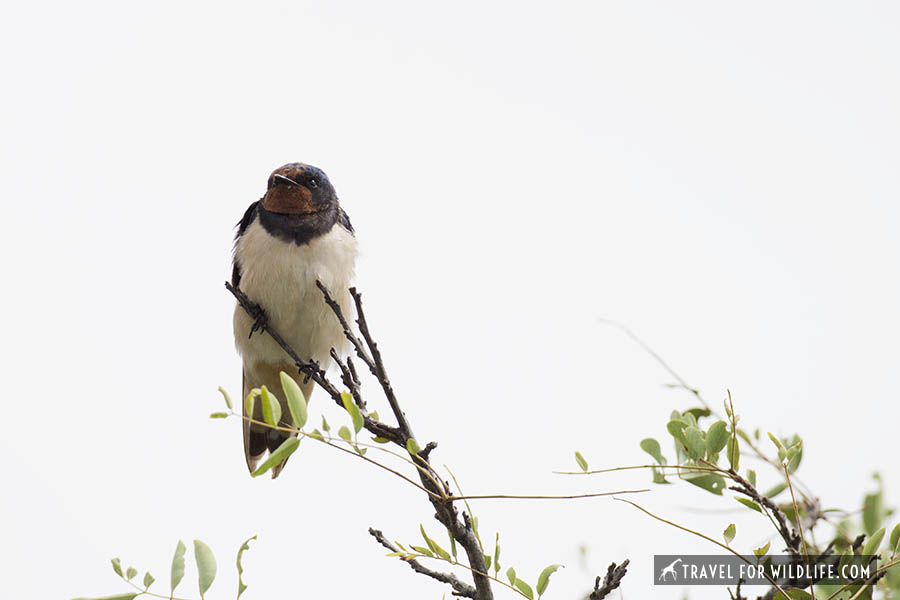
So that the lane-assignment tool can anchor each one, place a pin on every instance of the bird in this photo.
(296, 234)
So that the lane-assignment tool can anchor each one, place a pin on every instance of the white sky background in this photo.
(721, 179)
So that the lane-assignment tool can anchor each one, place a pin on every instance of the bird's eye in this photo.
(313, 183)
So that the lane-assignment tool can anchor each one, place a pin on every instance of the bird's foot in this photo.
(260, 320)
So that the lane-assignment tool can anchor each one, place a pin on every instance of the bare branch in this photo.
(614, 575)
(459, 588)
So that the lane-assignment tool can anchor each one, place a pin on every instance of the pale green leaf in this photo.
(117, 566)
(177, 565)
(694, 442)
(511, 575)
(218, 415)
(286, 448)
(351, 407)
(412, 446)
(271, 408)
(761, 551)
(874, 543)
(581, 462)
(544, 579)
(240, 567)
(651, 447)
(750, 504)
(148, 579)
(250, 402)
(206, 565)
(775, 490)
(227, 398)
(344, 433)
(524, 588)
(296, 401)
(716, 437)
(708, 481)
(130, 573)
(728, 534)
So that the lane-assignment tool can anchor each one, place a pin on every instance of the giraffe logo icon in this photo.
(670, 569)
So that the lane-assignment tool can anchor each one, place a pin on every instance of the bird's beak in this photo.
(278, 177)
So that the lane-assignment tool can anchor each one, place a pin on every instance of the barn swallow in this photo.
(295, 234)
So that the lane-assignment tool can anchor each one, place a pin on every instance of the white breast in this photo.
(281, 277)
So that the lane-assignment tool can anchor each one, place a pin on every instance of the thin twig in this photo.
(702, 535)
(459, 588)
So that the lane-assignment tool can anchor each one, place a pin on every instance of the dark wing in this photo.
(345, 220)
(242, 226)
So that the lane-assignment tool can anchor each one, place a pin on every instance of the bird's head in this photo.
(299, 189)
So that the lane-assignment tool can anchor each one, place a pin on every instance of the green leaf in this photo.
(676, 428)
(775, 490)
(873, 512)
(794, 455)
(374, 415)
(694, 442)
(874, 542)
(353, 409)
(658, 476)
(750, 504)
(117, 566)
(227, 398)
(177, 566)
(296, 401)
(422, 550)
(544, 579)
(698, 413)
(895, 539)
(434, 545)
(240, 567)
(761, 551)
(412, 446)
(728, 534)
(452, 544)
(325, 426)
(344, 433)
(487, 562)
(708, 481)
(130, 573)
(128, 596)
(286, 448)
(250, 402)
(524, 588)
(148, 579)
(315, 433)
(781, 450)
(497, 553)
(581, 462)
(206, 565)
(651, 447)
(716, 437)
(751, 477)
(380, 440)
(218, 415)
(511, 575)
(271, 408)
(733, 453)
